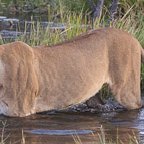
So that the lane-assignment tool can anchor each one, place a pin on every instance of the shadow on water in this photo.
(60, 128)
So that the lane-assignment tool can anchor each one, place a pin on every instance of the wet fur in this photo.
(39, 79)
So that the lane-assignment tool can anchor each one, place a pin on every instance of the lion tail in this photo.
(142, 55)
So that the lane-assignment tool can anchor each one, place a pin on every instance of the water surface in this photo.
(66, 128)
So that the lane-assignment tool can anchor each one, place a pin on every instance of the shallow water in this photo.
(63, 128)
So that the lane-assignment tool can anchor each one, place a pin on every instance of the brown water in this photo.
(63, 128)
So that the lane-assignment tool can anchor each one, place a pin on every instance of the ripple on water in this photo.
(60, 132)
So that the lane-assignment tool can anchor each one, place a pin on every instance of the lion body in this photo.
(39, 79)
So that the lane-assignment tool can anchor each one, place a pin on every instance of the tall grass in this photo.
(77, 24)
(3, 137)
(74, 26)
(132, 21)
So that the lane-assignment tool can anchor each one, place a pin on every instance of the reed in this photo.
(102, 137)
(99, 137)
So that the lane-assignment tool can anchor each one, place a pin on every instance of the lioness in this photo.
(39, 79)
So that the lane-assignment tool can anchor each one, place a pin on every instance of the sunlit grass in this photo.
(5, 138)
(74, 26)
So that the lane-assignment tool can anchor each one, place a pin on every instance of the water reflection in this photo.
(61, 127)
(60, 132)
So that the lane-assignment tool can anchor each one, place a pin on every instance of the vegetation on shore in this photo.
(76, 16)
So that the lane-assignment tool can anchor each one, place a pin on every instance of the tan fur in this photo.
(44, 78)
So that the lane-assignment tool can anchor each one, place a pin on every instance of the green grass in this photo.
(77, 24)
(132, 21)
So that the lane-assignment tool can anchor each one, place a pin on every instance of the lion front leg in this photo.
(127, 92)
